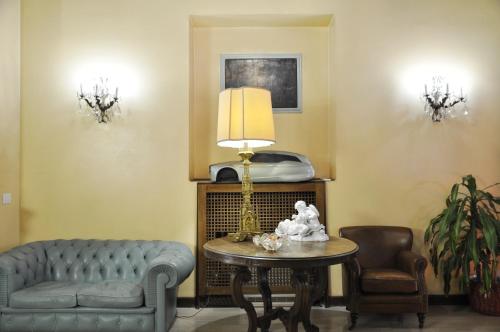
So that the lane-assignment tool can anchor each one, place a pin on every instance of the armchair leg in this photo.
(354, 318)
(421, 319)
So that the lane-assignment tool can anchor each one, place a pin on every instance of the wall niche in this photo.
(308, 132)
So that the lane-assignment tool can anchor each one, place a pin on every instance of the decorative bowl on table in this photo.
(270, 242)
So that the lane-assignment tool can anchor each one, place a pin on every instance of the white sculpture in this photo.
(304, 226)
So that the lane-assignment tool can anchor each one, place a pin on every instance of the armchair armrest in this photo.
(351, 273)
(415, 265)
(354, 267)
(411, 263)
(168, 270)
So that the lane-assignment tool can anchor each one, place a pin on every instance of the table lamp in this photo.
(245, 121)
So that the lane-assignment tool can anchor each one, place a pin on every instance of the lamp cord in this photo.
(197, 312)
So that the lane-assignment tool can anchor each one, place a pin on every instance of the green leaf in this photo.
(457, 227)
(446, 220)
(446, 271)
(454, 192)
(487, 199)
(489, 231)
(472, 241)
(443, 248)
(465, 270)
(486, 278)
(434, 261)
(430, 229)
(470, 183)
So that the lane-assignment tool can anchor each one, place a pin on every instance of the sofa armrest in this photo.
(15, 274)
(168, 270)
(7, 275)
(411, 263)
(21, 267)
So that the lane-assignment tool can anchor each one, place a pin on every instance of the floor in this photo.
(440, 318)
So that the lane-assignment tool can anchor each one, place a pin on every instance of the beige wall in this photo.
(130, 179)
(393, 165)
(10, 33)
(305, 132)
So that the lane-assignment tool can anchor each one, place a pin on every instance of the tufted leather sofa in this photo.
(92, 285)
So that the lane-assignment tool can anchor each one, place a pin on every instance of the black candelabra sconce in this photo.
(440, 103)
(99, 101)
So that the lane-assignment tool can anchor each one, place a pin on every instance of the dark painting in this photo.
(279, 75)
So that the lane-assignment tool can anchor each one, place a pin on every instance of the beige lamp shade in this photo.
(245, 117)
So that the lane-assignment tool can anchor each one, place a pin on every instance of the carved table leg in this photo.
(240, 276)
(421, 320)
(353, 291)
(311, 294)
(354, 319)
(265, 291)
(321, 275)
(301, 309)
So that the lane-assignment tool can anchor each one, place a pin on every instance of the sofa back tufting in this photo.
(83, 260)
(100, 260)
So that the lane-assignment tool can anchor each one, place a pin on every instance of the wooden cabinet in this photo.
(218, 214)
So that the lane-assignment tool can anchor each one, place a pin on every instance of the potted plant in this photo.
(464, 242)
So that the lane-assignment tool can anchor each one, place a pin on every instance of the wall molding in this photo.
(225, 301)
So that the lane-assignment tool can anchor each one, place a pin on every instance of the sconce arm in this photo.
(432, 103)
(453, 103)
(88, 102)
(104, 108)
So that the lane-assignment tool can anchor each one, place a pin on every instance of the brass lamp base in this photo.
(241, 236)
(249, 220)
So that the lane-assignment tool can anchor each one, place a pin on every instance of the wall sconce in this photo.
(441, 104)
(99, 101)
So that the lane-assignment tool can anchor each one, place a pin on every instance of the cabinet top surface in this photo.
(327, 252)
(315, 180)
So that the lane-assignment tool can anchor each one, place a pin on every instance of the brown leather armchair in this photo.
(385, 277)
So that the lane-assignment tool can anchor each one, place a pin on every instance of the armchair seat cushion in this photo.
(387, 281)
(46, 295)
(111, 294)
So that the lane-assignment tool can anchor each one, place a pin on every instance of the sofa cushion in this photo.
(46, 295)
(387, 281)
(111, 294)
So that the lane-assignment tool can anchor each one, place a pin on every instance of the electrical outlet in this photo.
(6, 198)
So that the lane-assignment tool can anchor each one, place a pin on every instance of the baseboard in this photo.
(186, 302)
(458, 299)
(225, 301)
(336, 301)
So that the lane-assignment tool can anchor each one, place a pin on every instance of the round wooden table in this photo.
(306, 259)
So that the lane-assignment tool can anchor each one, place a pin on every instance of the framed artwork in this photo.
(279, 73)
